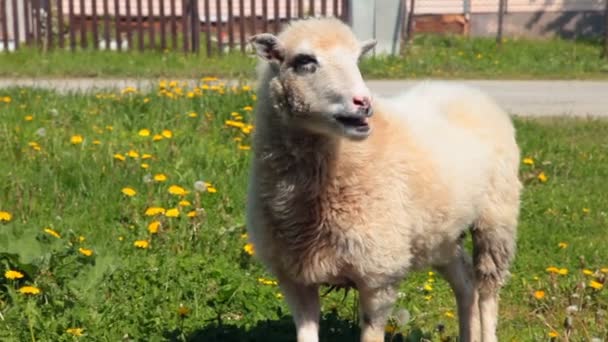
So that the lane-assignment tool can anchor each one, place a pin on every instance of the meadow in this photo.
(428, 56)
(122, 218)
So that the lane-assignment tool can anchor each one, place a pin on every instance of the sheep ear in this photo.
(367, 45)
(268, 47)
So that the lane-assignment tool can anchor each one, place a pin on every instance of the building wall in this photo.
(491, 6)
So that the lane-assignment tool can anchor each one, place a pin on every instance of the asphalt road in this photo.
(526, 98)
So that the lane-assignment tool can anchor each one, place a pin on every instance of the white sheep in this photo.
(340, 196)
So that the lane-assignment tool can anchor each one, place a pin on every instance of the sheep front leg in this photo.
(375, 305)
(303, 303)
(459, 274)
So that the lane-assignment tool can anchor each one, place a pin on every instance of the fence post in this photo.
(196, 25)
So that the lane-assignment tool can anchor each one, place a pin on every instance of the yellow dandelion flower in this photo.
(157, 137)
(596, 285)
(542, 177)
(562, 245)
(120, 238)
(265, 281)
(177, 190)
(539, 294)
(153, 227)
(167, 133)
(52, 232)
(249, 249)
(81, 238)
(119, 156)
(604, 269)
(586, 210)
(244, 147)
(428, 298)
(5, 216)
(211, 189)
(254, 97)
(146, 156)
(75, 331)
(143, 244)
(28, 118)
(246, 88)
(428, 287)
(192, 213)
(85, 251)
(76, 139)
(190, 95)
(244, 236)
(146, 99)
(144, 132)
(110, 127)
(192, 114)
(279, 296)
(184, 203)
(552, 269)
(233, 123)
(553, 333)
(129, 90)
(173, 212)
(563, 271)
(160, 177)
(128, 191)
(12, 274)
(248, 108)
(449, 314)
(183, 310)
(96, 142)
(588, 272)
(528, 161)
(153, 211)
(33, 290)
(133, 154)
(144, 165)
(6, 99)
(209, 79)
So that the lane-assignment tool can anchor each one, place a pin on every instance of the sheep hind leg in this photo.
(303, 303)
(375, 306)
(494, 243)
(459, 274)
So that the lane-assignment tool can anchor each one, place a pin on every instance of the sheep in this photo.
(346, 189)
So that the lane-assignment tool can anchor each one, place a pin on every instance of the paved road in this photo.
(530, 98)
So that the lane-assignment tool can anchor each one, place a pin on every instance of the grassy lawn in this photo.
(429, 56)
(83, 179)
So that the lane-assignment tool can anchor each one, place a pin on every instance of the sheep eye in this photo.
(303, 63)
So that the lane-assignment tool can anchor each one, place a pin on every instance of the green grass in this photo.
(429, 56)
(195, 281)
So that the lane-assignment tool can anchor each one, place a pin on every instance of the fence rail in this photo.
(218, 25)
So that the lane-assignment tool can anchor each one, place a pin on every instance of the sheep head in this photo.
(314, 80)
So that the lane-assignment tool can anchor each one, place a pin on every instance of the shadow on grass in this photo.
(333, 328)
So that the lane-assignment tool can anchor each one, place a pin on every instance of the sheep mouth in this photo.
(359, 123)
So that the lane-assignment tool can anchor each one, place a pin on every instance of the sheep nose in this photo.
(362, 103)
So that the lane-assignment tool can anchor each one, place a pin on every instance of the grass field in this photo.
(428, 56)
(121, 218)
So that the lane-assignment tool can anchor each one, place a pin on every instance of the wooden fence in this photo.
(218, 26)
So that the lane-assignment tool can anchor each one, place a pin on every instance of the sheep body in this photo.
(440, 160)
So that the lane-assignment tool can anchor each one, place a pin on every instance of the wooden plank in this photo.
(196, 28)
(117, 25)
(173, 26)
(140, 27)
(38, 23)
(218, 25)
(151, 28)
(106, 23)
(60, 26)
(242, 24)
(277, 19)
(208, 28)
(95, 24)
(335, 9)
(27, 8)
(324, 7)
(83, 26)
(163, 37)
(185, 14)
(230, 26)
(71, 25)
(4, 22)
(253, 18)
(288, 10)
(300, 8)
(265, 15)
(49, 26)
(128, 24)
(311, 9)
(16, 25)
